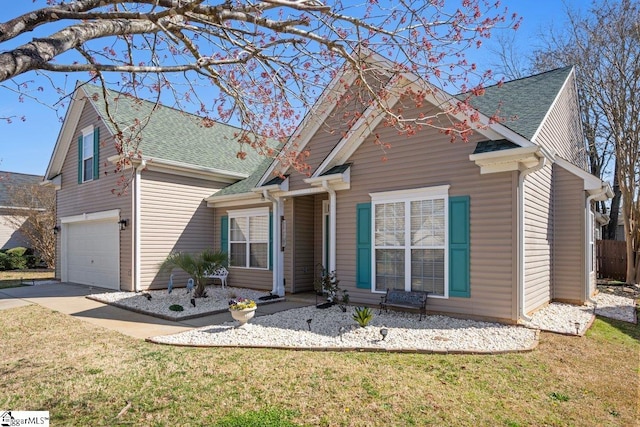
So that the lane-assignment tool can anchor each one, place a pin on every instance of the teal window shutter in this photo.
(224, 234)
(96, 153)
(459, 247)
(80, 180)
(270, 248)
(363, 238)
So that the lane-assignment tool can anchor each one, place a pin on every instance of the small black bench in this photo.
(404, 299)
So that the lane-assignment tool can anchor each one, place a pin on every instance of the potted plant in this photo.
(242, 309)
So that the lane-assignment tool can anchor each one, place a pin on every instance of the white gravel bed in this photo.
(616, 307)
(217, 300)
(333, 329)
(562, 318)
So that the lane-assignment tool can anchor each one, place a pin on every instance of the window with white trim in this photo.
(410, 240)
(87, 154)
(249, 238)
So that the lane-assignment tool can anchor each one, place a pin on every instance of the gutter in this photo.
(278, 259)
(520, 244)
(136, 227)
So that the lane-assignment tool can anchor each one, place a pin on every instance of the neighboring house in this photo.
(9, 236)
(494, 228)
(118, 241)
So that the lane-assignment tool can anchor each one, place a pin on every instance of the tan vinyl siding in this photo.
(174, 217)
(429, 159)
(562, 130)
(568, 239)
(97, 195)
(331, 132)
(538, 233)
(303, 250)
(243, 277)
(317, 235)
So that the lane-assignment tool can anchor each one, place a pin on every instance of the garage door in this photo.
(92, 252)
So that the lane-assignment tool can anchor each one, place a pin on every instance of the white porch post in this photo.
(276, 248)
(332, 227)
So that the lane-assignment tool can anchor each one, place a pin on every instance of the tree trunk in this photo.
(199, 292)
(637, 269)
(610, 230)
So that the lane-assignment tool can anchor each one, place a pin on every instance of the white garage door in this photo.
(92, 252)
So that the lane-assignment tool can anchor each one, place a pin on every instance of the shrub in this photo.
(18, 251)
(363, 316)
(17, 262)
(19, 258)
(5, 262)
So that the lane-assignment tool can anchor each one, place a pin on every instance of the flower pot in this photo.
(244, 315)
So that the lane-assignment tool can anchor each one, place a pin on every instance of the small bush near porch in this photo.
(85, 375)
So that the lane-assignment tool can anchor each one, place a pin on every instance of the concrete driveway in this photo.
(69, 298)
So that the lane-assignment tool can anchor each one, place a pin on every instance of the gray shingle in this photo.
(174, 135)
(9, 179)
(523, 103)
(489, 146)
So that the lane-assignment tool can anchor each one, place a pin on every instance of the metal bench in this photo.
(404, 299)
(220, 273)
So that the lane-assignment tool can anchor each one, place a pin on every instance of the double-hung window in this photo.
(249, 238)
(410, 236)
(88, 154)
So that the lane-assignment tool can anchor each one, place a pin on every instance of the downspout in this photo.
(332, 226)
(520, 235)
(136, 227)
(587, 211)
(278, 259)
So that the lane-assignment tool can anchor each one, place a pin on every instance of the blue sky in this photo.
(26, 147)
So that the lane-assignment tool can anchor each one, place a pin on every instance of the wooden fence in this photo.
(611, 258)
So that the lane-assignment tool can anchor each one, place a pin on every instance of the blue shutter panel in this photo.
(270, 248)
(80, 180)
(224, 234)
(363, 238)
(96, 152)
(459, 247)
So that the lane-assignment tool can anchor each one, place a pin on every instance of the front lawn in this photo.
(13, 278)
(86, 375)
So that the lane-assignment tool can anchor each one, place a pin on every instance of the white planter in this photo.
(243, 316)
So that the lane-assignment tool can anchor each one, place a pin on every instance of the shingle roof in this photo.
(177, 136)
(246, 184)
(523, 103)
(8, 179)
(337, 169)
(498, 145)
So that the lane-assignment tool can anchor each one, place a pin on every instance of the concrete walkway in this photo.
(69, 298)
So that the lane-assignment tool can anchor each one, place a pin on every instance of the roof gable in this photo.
(168, 135)
(174, 135)
(523, 103)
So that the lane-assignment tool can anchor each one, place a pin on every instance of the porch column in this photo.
(276, 248)
(332, 227)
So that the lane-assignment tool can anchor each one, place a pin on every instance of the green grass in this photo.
(15, 278)
(86, 375)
